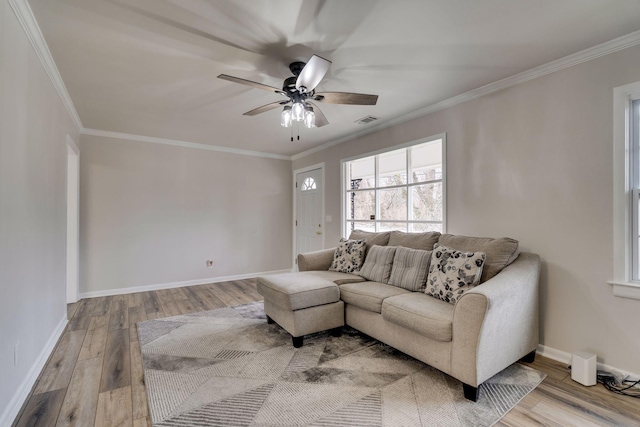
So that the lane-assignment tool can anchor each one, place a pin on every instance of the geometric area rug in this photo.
(228, 367)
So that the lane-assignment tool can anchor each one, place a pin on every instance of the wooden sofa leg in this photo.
(470, 393)
(336, 332)
(529, 358)
(270, 320)
(297, 341)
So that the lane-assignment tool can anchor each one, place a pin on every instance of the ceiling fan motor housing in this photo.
(289, 86)
(296, 67)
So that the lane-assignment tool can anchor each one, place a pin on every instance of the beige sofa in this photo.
(490, 326)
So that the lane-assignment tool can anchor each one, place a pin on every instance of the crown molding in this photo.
(620, 43)
(155, 140)
(27, 20)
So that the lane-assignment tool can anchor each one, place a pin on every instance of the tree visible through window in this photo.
(402, 189)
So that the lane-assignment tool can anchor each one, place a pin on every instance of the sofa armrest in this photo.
(496, 324)
(318, 260)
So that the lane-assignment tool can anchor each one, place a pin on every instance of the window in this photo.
(308, 184)
(634, 184)
(626, 191)
(399, 189)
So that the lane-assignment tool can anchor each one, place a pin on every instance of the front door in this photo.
(309, 224)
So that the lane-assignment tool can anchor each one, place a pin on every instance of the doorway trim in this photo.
(73, 221)
(294, 252)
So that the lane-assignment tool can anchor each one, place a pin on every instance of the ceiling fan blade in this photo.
(346, 98)
(312, 73)
(321, 120)
(264, 108)
(252, 84)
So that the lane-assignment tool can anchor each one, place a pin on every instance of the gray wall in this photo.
(152, 214)
(534, 162)
(33, 158)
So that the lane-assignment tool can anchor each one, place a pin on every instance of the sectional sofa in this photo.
(470, 328)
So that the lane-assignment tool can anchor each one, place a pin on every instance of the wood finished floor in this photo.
(94, 375)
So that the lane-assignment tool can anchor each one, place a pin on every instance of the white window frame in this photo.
(625, 244)
(344, 190)
(634, 185)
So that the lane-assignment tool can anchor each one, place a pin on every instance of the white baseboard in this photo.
(22, 393)
(564, 357)
(146, 288)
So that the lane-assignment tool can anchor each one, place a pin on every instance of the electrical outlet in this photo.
(15, 354)
(209, 263)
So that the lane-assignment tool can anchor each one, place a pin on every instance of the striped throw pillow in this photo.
(410, 267)
(377, 264)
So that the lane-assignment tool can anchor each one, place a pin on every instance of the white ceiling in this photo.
(149, 67)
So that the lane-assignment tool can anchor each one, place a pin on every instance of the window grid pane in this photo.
(427, 201)
(393, 204)
(392, 168)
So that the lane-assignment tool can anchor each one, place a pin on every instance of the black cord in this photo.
(623, 387)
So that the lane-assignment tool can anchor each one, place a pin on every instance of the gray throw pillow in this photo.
(424, 241)
(453, 272)
(380, 238)
(500, 252)
(409, 269)
(348, 256)
(377, 264)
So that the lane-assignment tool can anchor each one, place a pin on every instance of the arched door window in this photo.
(308, 184)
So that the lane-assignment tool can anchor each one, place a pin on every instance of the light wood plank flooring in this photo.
(94, 375)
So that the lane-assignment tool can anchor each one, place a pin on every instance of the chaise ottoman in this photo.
(302, 304)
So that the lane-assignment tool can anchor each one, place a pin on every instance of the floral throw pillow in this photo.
(453, 272)
(349, 256)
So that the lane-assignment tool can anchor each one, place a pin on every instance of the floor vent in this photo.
(367, 119)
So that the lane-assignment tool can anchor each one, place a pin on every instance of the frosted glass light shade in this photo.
(309, 117)
(285, 117)
(297, 112)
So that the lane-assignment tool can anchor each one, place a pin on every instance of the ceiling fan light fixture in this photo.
(309, 117)
(285, 117)
(297, 111)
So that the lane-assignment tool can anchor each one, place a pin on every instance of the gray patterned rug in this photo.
(228, 367)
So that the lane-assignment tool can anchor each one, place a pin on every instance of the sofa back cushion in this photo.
(410, 267)
(500, 252)
(380, 239)
(424, 241)
(453, 272)
(377, 264)
(348, 256)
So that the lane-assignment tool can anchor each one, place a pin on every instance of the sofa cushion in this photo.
(348, 256)
(335, 276)
(420, 313)
(295, 291)
(423, 241)
(453, 272)
(380, 239)
(377, 264)
(410, 268)
(500, 252)
(368, 295)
